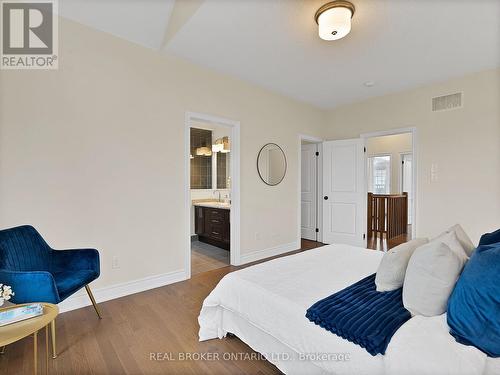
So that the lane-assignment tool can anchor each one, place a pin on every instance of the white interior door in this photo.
(309, 192)
(344, 200)
(407, 181)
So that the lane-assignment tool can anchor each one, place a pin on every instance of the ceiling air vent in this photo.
(447, 102)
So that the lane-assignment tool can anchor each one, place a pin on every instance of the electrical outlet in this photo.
(258, 236)
(115, 263)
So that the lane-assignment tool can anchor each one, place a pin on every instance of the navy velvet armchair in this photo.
(38, 273)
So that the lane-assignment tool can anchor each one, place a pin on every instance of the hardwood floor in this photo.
(384, 245)
(308, 244)
(134, 328)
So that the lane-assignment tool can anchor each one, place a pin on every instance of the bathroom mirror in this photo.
(271, 164)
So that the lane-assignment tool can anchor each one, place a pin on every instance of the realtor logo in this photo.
(29, 34)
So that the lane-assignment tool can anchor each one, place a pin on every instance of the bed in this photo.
(264, 305)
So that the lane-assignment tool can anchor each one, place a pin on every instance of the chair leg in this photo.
(91, 296)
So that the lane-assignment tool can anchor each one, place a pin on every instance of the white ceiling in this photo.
(398, 44)
(140, 21)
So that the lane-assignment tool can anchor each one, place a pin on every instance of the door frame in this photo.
(401, 167)
(413, 131)
(401, 156)
(319, 186)
(235, 254)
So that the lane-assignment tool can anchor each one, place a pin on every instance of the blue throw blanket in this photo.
(362, 315)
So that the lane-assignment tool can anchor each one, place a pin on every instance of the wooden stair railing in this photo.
(387, 214)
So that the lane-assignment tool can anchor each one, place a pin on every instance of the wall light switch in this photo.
(434, 172)
(115, 263)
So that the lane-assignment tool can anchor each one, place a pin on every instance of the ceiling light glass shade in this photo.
(334, 20)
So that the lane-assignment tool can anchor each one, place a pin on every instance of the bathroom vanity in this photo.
(212, 223)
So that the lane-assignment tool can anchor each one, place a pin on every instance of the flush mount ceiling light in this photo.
(334, 19)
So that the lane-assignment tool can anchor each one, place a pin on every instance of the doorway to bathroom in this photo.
(212, 193)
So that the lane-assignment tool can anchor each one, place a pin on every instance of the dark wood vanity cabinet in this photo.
(212, 226)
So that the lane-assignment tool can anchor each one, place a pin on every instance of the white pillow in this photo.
(430, 278)
(462, 237)
(392, 268)
(451, 240)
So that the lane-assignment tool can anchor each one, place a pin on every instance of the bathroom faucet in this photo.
(218, 192)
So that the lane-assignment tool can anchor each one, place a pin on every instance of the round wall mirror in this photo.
(271, 164)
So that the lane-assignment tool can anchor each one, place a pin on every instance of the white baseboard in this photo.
(271, 252)
(107, 293)
(81, 299)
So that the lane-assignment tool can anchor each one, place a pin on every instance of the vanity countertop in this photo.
(212, 204)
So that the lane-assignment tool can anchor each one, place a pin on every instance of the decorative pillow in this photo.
(474, 307)
(462, 237)
(490, 238)
(450, 238)
(392, 268)
(431, 275)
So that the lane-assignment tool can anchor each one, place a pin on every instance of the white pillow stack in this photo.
(430, 278)
(427, 271)
(432, 273)
(462, 237)
(392, 269)
(450, 239)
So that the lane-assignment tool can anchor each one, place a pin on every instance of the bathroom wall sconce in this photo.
(217, 147)
(203, 151)
(221, 145)
(225, 142)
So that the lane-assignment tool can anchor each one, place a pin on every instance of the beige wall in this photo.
(393, 145)
(92, 154)
(463, 143)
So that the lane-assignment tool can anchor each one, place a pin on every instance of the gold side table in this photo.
(16, 331)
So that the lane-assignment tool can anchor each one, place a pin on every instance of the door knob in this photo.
(325, 197)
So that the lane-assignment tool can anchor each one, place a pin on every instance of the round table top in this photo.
(16, 331)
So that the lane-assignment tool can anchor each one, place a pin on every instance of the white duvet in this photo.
(265, 306)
